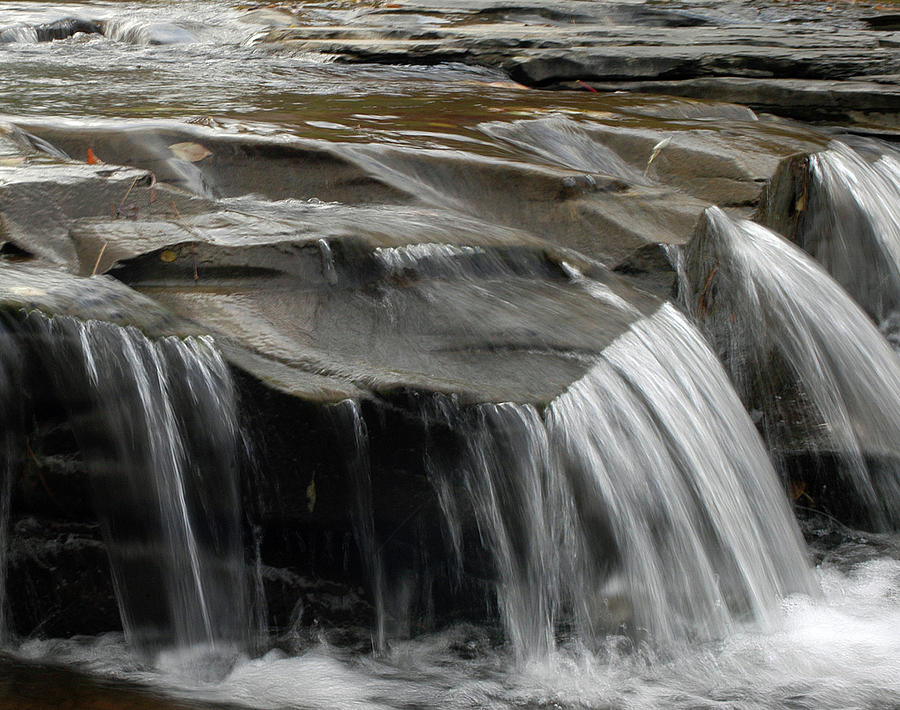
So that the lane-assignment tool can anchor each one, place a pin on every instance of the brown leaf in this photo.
(192, 152)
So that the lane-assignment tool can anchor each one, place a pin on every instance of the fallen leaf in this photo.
(168, 256)
(92, 159)
(192, 152)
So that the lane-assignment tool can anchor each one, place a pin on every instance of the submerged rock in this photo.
(47, 32)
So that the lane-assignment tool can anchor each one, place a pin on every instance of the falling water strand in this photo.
(644, 497)
(801, 353)
(503, 478)
(360, 471)
(852, 226)
(157, 424)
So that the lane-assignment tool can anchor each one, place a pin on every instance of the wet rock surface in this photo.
(804, 61)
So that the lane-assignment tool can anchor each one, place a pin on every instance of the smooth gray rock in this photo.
(602, 216)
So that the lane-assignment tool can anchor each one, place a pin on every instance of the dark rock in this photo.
(815, 100)
(66, 27)
(47, 32)
(58, 581)
(886, 22)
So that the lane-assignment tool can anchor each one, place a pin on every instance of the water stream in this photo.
(790, 334)
(853, 228)
(158, 429)
(644, 501)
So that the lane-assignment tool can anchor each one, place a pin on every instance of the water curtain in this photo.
(804, 356)
(156, 422)
(643, 498)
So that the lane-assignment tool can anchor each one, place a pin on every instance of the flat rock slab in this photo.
(33, 287)
(329, 300)
(337, 269)
(329, 317)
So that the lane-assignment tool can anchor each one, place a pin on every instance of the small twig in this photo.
(99, 256)
(586, 86)
(826, 515)
(130, 188)
(185, 225)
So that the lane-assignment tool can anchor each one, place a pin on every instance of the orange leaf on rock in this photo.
(91, 158)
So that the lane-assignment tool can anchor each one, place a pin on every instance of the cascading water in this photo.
(657, 433)
(644, 495)
(156, 423)
(625, 528)
(348, 416)
(851, 225)
(505, 478)
(800, 351)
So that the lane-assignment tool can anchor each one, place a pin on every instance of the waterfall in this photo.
(851, 225)
(504, 476)
(643, 496)
(801, 353)
(156, 424)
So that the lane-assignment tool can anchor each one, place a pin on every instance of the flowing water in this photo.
(621, 510)
(853, 228)
(798, 331)
(642, 547)
(164, 473)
